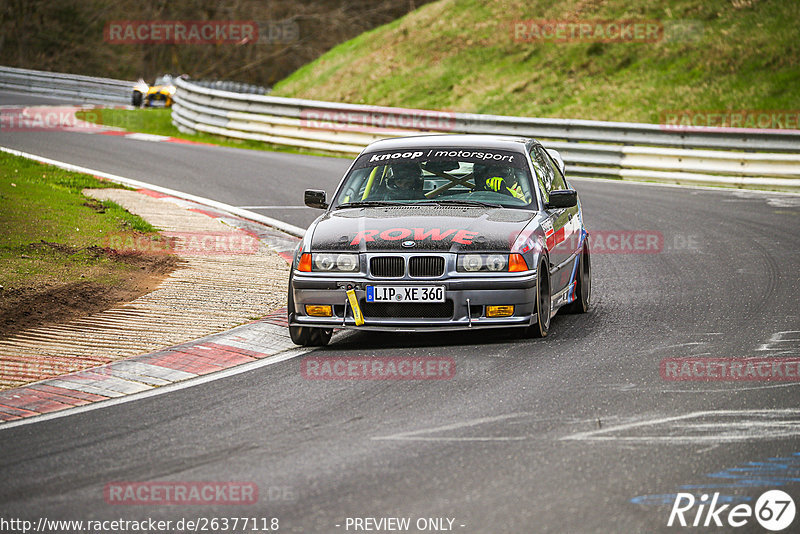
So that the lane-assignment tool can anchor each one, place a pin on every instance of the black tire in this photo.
(305, 336)
(320, 337)
(136, 100)
(544, 303)
(584, 290)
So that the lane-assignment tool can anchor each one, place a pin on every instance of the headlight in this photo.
(346, 262)
(494, 263)
(470, 263)
(335, 262)
(324, 262)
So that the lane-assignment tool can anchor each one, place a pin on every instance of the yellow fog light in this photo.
(319, 310)
(499, 311)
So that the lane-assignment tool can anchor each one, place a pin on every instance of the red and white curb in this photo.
(241, 349)
(147, 137)
(276, 241)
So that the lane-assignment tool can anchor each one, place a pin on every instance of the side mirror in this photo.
(315, 198)
(556, 155)
(562, 198)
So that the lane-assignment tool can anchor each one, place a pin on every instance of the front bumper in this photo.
(466, 300)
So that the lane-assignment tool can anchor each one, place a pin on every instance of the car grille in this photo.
(436, 310)
(387, 266)
(426, 266)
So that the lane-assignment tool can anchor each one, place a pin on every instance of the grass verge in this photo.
(54, 259)
(467, 55)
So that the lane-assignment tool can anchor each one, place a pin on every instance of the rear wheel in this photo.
(583, 291)
(136, 100)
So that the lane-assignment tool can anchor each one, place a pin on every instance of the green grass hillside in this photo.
(460, 55)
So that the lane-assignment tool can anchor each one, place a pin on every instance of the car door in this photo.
(565, 236)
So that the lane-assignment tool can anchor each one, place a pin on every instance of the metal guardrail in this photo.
(650, 152)
(590, 148)
(236, 87)
(72, 86)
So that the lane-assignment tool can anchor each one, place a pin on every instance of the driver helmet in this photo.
(491, 177)
(405, 177)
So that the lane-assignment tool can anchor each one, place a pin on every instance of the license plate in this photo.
(405, 293)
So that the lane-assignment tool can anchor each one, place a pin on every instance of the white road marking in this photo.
(269, 221)
(243, 368)
(677, 345)
(707, 449)
(762, 424)
(414, 434)
(737, 387)
(779, 337)
(147, 137)
(274, 207)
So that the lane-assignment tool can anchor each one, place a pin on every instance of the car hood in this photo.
(419, 228)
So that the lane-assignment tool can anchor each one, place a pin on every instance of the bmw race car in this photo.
(442, 232)
(160, 92)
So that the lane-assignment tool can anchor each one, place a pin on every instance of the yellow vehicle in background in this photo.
(160, 93)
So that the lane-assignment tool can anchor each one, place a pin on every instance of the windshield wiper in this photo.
(372, 204)
(461, 202)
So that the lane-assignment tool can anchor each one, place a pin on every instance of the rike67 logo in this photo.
(774, 510)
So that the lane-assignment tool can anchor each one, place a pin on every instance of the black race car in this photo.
(442, 232)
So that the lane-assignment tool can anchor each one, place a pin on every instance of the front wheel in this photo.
(543, 307)
(543, 302)
(305, 336)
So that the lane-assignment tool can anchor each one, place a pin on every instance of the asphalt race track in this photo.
(575, 433)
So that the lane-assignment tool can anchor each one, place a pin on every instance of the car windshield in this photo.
(438, 177)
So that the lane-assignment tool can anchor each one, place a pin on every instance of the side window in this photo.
(557, 179)
(541, 174)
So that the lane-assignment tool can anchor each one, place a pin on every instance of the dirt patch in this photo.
(47, 303)
(95, 205)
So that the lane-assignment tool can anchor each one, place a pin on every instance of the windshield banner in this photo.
(441, 154)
